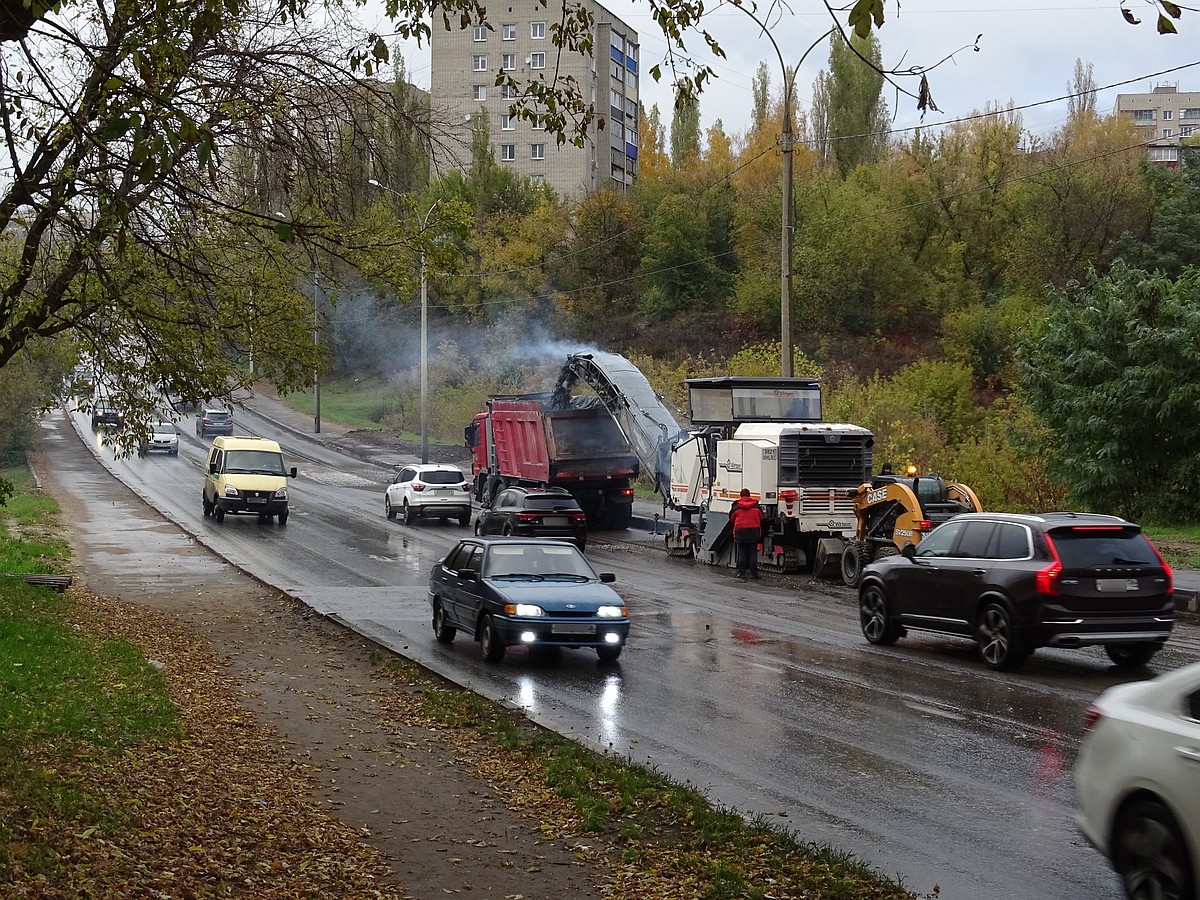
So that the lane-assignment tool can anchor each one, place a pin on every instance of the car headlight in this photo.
(231, 491)
(528, 610)
(281, 494)
(612, 612)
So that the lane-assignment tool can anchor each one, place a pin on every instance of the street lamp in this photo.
(424, 327)
(787, 142)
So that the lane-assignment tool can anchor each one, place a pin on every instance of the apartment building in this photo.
(465, 64)
(1163, 117)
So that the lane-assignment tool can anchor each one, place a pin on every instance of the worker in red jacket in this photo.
(746, 517)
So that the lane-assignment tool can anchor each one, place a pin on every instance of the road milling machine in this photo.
(764, 434)
(894, 510)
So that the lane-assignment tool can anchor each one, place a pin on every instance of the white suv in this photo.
(429, 489)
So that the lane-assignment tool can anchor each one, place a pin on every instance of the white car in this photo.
(1138, 781)
(428, 489)
(162, 437)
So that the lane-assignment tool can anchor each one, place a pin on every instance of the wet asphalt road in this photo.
(915, 757)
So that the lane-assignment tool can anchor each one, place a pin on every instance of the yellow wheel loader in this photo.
(894, 510)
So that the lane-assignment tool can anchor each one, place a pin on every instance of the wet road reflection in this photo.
(914, 757)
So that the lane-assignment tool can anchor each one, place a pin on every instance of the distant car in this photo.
(1018, 582)
(105, 414)
(531, 512)
(507, 591)
(82, 380)
(214, 418)
(430, 490)
(1138, 778)
(162, 438)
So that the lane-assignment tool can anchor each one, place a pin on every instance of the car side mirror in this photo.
(469, 575)
(212, 468)
(608, 577)
(292, 472)
(908, 550)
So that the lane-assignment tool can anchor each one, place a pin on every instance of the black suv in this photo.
(533, 512)
(1016, 582)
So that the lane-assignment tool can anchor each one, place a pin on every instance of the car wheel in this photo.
(443, 632)
(1149, 853)
(218, 514)
(1130, 656)
(208, 507)
(877, 626)
(174, 453)
(507, 531)
(409, 515)
(997, 646)
(853, 559)
(464, 520)
(478, 528)
(609, 653)
(283, 517)
(388, 510)
(489, 641)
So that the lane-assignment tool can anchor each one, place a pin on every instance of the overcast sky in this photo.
(1027, 54)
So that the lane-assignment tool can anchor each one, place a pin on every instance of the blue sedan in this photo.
(507, 591)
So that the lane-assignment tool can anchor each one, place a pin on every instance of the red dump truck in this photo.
(520, 440)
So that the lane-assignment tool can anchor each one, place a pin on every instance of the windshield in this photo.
(163, 428)
(254, 462)
(533, 559)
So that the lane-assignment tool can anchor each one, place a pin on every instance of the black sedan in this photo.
(538, 593)
(532, 512)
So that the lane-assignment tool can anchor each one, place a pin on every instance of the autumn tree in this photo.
(685, 132)
(849, 118)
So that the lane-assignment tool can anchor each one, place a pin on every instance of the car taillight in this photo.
(1170, 576)
(464, 487)
(1046, 581)
(628, 492)
(1091, 717)
(924, 525)
(528, 517)
(418, 487)
(579, 517)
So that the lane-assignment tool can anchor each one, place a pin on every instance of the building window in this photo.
(481, 32)
(479, 62)
(631, 79)
(1143, 115)
(631, 135)
(538, 124)
(537, 151)
(618, 41)
(508, 92)
(508, 32)
(1164, 154)
(507, 122)
(508, 152)
(538, 179)
(631, 109)
(1166, 113)
(615, 99)
(479, 92)
(508, 61)
(1186, 130)
(1166, 132)
(1191, 112)
(616, 71)
(537, 30)
(537, 60)
(617, 129)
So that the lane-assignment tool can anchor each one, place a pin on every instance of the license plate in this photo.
(554, 520)
(1116, 585)
(571, 628)
(257, 500)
